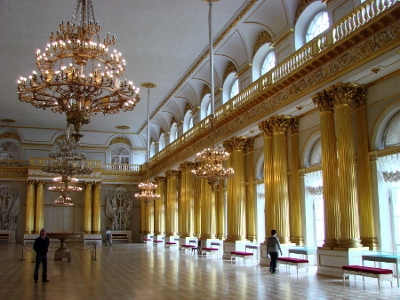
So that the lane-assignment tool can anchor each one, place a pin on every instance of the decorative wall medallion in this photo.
(123, 127)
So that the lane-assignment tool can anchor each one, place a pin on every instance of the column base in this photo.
(298, 240)
(349, 243)
(370, 242)
(330, 262)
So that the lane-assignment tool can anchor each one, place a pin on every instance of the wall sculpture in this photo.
(10, 205)
(119, 209)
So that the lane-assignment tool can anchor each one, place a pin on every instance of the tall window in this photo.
(152, 149)
(205, 106)
(161, 142)
(317, 25)
(173, 133)
(120, 155)
(234, 88)
(268, 63)
(188, 121)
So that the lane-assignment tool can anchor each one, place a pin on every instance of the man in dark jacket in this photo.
(273, 246)
(41, 247)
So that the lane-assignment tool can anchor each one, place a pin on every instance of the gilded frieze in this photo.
(10, 135)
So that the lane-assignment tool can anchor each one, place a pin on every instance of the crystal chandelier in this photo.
(211, 159)
(77, 74)
(147, 188)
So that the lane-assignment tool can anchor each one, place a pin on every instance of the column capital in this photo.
(160, 179)
(294, 125)
(345, 93)
(188, 166)
(97, 184)
(360, 96)
(265, 128)
(323, 101)
(88, 184)
(235, 143)
(172, 173)
(279, 124)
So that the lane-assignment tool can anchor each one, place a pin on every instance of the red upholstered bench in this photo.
(242, 254)
(380, 274)
(158, 242)
(210, 250)
(291, 261)
(170, 244)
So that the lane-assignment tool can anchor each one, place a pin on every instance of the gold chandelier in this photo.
(147, 188)
(64, 189)
(211, 159)
(78, 75)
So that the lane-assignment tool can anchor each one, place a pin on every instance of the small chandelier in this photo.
(64, 189)
(68, 160)
(147, 188)
(78, 75)
(211, 160)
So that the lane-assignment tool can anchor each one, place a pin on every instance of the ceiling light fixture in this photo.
(78, 75)
(211, 159)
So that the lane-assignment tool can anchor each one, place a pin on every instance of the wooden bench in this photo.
(245, 254)
(290, 261)
(120, 237)
(380, 274)
(5, 237)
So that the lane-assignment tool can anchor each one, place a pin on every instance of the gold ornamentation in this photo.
(236, 143)
(301, 6)
(230, 68)
(122, 127)
(121, 140)
(9, 121)
(263, 38)
(188, 166)
(173, 173)
(10, 135)
(279, 124)
(206, 90)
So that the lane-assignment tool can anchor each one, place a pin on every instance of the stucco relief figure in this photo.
(10, 205)
(119, 209)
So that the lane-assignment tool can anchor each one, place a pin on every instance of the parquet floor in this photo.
(139, 271)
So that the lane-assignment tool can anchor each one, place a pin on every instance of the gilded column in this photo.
(367, 221)
(30, 207)
(149, 216)
(296, 228)
(39, 211)
(96, 226)
(268, 176)
(329, 169)
(197, 206)
(250, 196)
(220, 211)
(159, 209)
(87, 213)
(237, 230)
(171, 217)
(142, 217)
(349, 225)
(280, 125)
(187, 199)
(208, 221)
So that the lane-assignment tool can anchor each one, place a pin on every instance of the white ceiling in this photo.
(160, 40)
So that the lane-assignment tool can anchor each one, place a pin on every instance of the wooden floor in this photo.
(139, 271)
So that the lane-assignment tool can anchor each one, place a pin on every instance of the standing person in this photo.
(108, 237)
(41, 247)
(273, 246)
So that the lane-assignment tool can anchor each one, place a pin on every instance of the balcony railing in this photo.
(353, 21)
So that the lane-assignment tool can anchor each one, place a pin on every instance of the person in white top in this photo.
(273, 246)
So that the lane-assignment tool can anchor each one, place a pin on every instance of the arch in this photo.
(173, 133)
(152, 149)
(391, 135)
(231, 86)
(187, 121)
(10, 146)
(161, 142)
(312, 150)
(380, 125)
(259, 60)
(205, 107)
(259, 169)
(308, 11)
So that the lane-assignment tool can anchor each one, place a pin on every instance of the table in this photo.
(63, 251)
(392, 258)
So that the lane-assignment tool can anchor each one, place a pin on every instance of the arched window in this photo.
(161, 142)
(187, 121)
(317, 25)
(152, 149)
(234, 89)
(268, 63)
(120, 155)
(313, 20)
(173, 132)
(205, 106)
(9, 151)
